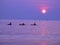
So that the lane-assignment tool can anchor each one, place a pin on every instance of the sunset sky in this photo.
(30, 9)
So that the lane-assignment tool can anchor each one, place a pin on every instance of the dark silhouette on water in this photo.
(34, 24)
(10, 23)
(22, 24)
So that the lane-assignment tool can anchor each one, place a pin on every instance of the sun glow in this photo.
(43, 11)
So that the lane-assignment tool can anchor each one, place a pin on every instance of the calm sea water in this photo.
(44, 33)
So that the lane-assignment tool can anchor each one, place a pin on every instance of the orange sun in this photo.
(43, 11)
